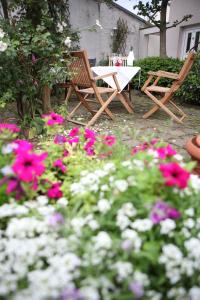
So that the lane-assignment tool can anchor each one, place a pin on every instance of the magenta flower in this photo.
(14, 186)
(89, 146)
(137, 289)
(109, 140)
(23, 146)
(10, 127)
(29, 166)
(74, 132)
(59, 164)
(74, 140)
(165, 152)
(60, 139)
(89, 134)
(53, 119)
(162, 211)
(174, 175)
(56, 219)
(90, 151)
(54, 192)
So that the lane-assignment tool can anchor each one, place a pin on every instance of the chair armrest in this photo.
(161, 73)
(104, 76)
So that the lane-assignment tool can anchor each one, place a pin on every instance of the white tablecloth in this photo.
(124, 74)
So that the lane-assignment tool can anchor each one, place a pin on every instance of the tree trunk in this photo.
(5, 9)
(163, 28)
(46, 99)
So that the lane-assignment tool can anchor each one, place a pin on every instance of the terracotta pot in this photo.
(193, 148)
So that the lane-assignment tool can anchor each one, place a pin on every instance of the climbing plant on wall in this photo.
(119, 37)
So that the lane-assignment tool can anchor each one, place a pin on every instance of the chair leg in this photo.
(162, 106)
(128, 99)
(124, 102)
(100, 111)
(69, 92)
(107, 110)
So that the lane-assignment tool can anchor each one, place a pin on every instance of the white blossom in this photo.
(194, 293)
(142, 224)
(3, 46)
(67, 42)
(103, 206)
(167, 226)
(2, 33)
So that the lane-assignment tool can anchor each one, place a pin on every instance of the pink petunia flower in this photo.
(109, 140)
(10, 127)
(74, 140)
(90, 151)
(165, 152)
(174, 175)
(23, 146)
(14, 186)
(74, 132)
(60, 139)
(54, 192)
(89, 134)
(28, 166)
(53, 119)
(162, 211)
(89, 147)
(59, 164)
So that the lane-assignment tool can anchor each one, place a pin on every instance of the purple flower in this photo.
(127, 245)
(56, 219)
(60, 139)
(162, 211)
(71, 293)
(137, 289)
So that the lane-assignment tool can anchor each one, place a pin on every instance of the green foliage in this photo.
(190, 89)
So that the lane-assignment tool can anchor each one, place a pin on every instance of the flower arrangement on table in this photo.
(80, 222)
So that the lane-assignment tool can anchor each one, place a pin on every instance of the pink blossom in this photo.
(14, 186)
(74, 140)
(59, 164)
(54, 192)
(109, 140)
(161, 211)
(23, 146)
(66, 153)
(137, 289)
(89, 134)
(174, 175)
(165, 152)
(74, 132)
(10, 127)
(56, 219)
(90, 151)
(89, 147)
(28, 166)
(60, 139)
(53, 119)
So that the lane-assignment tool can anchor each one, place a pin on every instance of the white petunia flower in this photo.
(142, 224)
(194, 293)
(2, 33)
(60, 28)
(42, 200)
(68, 42)
(121, 185)
(98, 24)
(189, 223)
(102, 241)
(167, 226)
(62, 201)
(103, 206)
(189, 212)
(3, 46)
(89, 293)
(195, 182)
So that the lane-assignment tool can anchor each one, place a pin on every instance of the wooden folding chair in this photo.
(167, 92)
(84, 85)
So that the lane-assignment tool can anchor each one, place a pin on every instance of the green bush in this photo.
(189, 91)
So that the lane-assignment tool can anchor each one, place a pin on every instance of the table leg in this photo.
(123, 99)
(127, 100)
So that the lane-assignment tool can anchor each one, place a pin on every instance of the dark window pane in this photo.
(197, 41)
(188, 41)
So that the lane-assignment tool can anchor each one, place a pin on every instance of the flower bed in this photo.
(107, 222)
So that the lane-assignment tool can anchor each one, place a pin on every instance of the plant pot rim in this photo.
(193, 148)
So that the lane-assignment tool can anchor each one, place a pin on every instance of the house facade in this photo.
(83, 15)
(180, 39)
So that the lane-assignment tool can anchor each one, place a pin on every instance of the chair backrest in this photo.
(186, 66)
(92, 62)
(113, 60)
(184, 70)
(81, 73)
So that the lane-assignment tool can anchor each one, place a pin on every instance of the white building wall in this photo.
(178, 9)
(84, 13)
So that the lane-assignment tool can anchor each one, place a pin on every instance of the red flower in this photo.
(54, 192)
(175, 175)
(28, 166)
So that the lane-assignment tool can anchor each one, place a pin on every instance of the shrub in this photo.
(190, 89)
